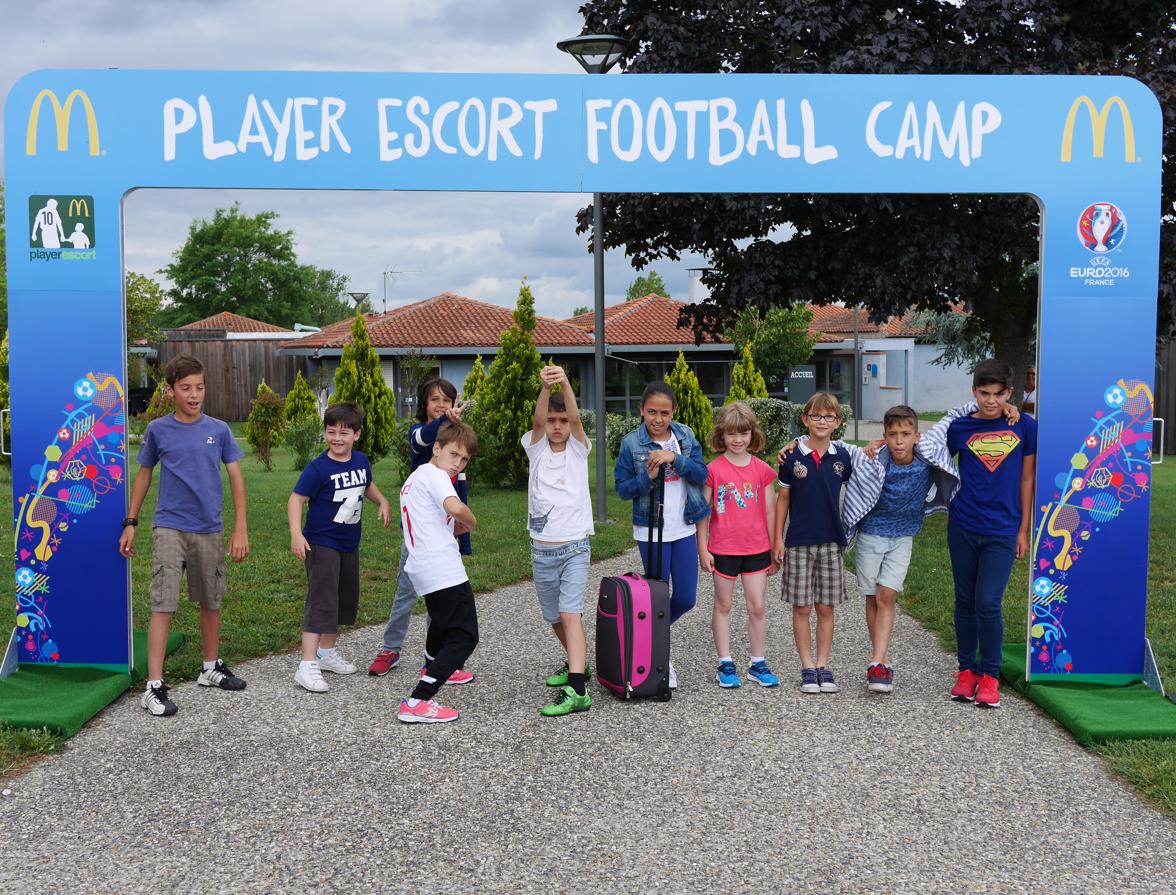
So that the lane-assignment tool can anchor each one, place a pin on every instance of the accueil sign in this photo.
(715, 130)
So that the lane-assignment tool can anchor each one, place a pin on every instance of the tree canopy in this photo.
(645, 284)
(244, 264)
(3, 267)
(779, 339)
(979, 250)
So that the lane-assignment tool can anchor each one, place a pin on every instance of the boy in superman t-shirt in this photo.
(988, 525)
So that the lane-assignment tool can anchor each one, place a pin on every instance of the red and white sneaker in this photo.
(461, 676)
(988, 693)
(427, 711)
(965, 686)
(385, 661)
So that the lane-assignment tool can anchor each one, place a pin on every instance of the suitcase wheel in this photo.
(664, 693)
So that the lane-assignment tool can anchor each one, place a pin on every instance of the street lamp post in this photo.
(597, 53)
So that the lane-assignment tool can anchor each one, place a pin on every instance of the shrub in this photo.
(4, 396)
(691, 406)
(588, 418)
(800, 428)
(473, 382)
(775, 418)
(746, 381)
(616, 428)
(266, 425)
(300, 404)
(160, 404)
(360, 380)
(304, 437)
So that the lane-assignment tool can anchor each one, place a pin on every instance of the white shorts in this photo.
(882, 561)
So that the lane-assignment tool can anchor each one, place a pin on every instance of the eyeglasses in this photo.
(824, 417)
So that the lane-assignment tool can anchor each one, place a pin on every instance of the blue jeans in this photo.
(980, 565)
(402, 603)
(679, 566)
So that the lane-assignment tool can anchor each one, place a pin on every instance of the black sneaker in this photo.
(155, 701)
(220, 676)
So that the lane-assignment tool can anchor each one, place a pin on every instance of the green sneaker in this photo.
(560, 678)
(566, 701)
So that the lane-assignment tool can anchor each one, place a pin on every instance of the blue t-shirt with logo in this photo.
(899, 510)
(990, 456)
(335, 490)
(189, 456)
(814, 494)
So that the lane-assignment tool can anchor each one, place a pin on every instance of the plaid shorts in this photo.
(813, 573)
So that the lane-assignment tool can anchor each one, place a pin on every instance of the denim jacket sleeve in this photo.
(630, 482)
(691, 466)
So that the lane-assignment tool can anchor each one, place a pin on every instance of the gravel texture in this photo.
(279, 790)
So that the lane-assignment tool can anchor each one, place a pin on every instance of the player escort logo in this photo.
(61, 228)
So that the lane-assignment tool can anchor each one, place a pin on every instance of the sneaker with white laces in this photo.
(673, 677)
(427, 711)
(335, 663)
(309, 676)
(220, 676)
(154, 700)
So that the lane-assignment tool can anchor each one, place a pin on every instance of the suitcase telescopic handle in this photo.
(657, 503)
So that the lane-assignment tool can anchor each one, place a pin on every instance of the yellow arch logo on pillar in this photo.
(61, 118)
(1098, 127)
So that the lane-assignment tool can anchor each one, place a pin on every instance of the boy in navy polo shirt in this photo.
(334, 484)
(987, 525)
(811, 555)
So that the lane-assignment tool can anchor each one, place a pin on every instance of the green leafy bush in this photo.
(300, 404)
(304, 436)
(266, 426)
(691, 405)
(360, 380)
(775, 418)
(746, 381)
(616, 428)
(161, 403)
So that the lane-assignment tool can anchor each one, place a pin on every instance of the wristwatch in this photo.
(130, 520)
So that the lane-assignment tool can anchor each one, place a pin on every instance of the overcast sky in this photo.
(476, 244)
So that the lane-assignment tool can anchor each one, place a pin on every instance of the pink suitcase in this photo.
(633, 624)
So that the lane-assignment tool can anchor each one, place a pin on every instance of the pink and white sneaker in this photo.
(461, 676)
(427, 711)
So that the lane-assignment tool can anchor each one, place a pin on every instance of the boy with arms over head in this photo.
(429, 508)
(186, 531)
(811, 555)
(987, 525)
(334, 485)
(559, 521)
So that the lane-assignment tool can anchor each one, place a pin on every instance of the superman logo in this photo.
(991, 448)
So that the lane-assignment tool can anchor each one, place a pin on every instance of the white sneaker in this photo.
(673, 677)
(155, 700)
(335, 663)
(309, 677)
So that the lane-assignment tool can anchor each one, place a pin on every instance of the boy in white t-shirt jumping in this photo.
(429, 506)
(559, 520)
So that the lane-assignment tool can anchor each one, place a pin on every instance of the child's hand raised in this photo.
(455, 412)
(552, 375)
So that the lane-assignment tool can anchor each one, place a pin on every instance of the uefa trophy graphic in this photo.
(1101, 220)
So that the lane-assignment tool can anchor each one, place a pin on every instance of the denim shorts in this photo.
(882, 561)
(561, 577)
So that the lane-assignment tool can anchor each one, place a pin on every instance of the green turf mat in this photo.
(64, 697)
(1094, 712)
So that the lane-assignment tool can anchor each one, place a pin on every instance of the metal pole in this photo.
(598, 329)
(857, 373)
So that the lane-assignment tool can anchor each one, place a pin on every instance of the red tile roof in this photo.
(444, 321)
(652, 320)
(235, 323)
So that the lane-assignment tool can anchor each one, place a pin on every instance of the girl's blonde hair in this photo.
(736, 417)
(822, 402)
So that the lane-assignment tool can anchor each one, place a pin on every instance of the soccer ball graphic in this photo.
(84, 389)
(1043, 587)
(1114, 396)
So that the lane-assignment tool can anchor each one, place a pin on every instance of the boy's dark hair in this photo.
(658, 388)
(900, 413)
(345, 414)
(455, 430)
(556, 402)
(180, 366)
(447, 388)
(992, 372)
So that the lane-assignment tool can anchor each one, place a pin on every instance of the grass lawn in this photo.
(262, 612)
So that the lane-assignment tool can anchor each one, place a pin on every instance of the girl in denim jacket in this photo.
(657, 442)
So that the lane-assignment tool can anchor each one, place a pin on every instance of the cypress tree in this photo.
(473, 382)
(300, 401)
(266, 425)
(360, 380)
(746, 381)
(691, 406)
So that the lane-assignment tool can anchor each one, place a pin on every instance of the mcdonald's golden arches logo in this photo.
(79, 208)
(1098, 127)
(61, 118)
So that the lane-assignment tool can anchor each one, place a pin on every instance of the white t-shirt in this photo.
(558, 506)
(434, 562)
(674, 527)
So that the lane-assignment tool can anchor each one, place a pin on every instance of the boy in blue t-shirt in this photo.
(334, 485)
(988, 525)
(187, 532)
(811, 555)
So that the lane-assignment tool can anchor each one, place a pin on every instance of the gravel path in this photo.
(278, 790)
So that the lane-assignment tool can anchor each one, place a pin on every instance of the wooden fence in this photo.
(233, 368)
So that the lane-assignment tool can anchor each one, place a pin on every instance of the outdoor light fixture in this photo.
(597, 53)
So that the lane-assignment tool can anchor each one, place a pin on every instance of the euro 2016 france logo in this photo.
(1101, 228)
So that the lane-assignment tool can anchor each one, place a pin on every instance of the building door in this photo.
(835, 375)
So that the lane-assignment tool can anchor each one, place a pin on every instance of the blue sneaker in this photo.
(728, 676)
(759, 671)
(825, 681)
(808, 681)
